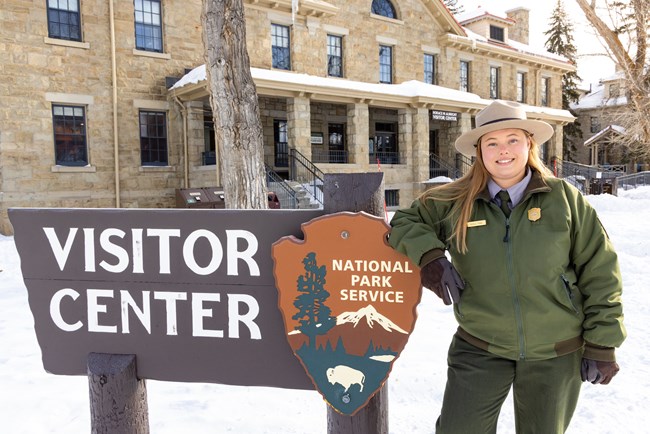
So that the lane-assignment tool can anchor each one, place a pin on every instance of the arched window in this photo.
(384, 8)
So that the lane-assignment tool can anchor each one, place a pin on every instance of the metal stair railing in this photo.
(463, 163)
(286, 194)
(439, 167)
(305, 172)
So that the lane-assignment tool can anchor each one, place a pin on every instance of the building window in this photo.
(63, 20)
(614, 90)
(429, 69)
(494, 82)
(497, 33)
(385, 64)
(384, 148)
(384, 8)
(521, 87)
(148, 25)
(595, 124)
(280, 46)
(153, 138)
(209, 156)
(69, 124)
(334, 56)
(545, 92)
(391, 197)
(464, 76)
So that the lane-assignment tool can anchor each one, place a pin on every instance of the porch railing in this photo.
(329, 156)
(386, 157)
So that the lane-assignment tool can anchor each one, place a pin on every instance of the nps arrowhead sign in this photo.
(349, 304)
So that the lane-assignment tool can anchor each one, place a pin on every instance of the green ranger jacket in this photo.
(538, 284)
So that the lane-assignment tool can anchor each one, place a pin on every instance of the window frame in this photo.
(464, 76)
(158, 139)
(521, 87)
(383, 8)
(594, 124)
(391, 197)
(51, 11)
(62, 136)
(545, 92)
(383, 65)
(285, 50)
(144, 42)
(497, 33)
(332, 55)
(429, 75)
(495, 78)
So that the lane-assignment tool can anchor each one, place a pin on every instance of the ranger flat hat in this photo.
(500, 115)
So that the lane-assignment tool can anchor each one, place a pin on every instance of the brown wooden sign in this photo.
(189, 292)
(349, 304)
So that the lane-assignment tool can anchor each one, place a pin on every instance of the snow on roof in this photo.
(596, 99)
(412, 88)
(601, 133)
(518, 46)
(481, 13)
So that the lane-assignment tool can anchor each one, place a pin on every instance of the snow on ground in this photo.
(32, 401)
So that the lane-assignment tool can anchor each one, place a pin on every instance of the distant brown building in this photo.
(599, 112)
(88, 118)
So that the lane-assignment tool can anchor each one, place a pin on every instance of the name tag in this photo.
(476, 223)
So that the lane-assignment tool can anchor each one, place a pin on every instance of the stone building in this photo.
(104, 105)
(599, 112)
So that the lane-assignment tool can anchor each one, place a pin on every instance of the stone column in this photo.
(555, 144)
(299, 125)
(358, 132)
(420, 150)
(405, 134)
(195, 139)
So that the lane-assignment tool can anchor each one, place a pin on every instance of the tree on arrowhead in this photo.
(313, 314)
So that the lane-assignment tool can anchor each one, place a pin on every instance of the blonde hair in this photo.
(463, 191)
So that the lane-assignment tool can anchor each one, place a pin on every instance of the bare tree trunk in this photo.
(635, 67)
(235, 108)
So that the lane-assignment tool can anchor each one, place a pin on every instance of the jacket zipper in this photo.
(569, 293)
(515, 298)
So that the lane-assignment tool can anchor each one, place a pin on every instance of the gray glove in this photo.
(441, 277)
(597, 372)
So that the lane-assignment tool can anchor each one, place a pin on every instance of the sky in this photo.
(33, 401)
(590, 68)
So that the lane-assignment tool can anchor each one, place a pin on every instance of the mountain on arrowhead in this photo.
(365, 327)
(371, 316)
(357, 331)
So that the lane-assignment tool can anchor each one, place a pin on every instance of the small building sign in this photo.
(441, 115)
(349, 304)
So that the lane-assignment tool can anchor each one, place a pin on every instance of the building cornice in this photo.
(505, 52)
(306, 8)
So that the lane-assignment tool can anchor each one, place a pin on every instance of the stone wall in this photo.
(39, 71)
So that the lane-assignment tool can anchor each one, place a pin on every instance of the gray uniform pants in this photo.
(545, 393)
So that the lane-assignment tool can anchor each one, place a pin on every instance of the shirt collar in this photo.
(516, 192)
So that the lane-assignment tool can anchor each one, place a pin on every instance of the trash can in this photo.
(192, 198)
(216, 197)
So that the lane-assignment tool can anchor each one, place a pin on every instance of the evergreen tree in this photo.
(560, 41)
(454, 7)
(313, 314)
